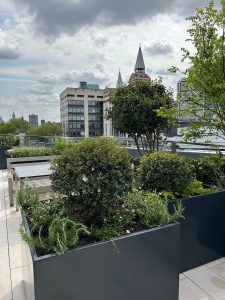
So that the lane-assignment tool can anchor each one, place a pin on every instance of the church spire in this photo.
(140, 65)
(119, 81)
(13, 115)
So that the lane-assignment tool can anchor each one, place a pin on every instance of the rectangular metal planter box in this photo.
(3, 156)
(143, 265)
(202, 230)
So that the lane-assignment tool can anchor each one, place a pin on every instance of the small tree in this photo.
(205, 76)
(139, 111)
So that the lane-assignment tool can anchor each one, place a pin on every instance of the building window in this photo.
(80, 96)
(91, 96)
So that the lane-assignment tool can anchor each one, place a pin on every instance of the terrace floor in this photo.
(203, 283)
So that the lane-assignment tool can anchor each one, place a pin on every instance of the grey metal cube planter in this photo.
(202, 230)
(143, 265)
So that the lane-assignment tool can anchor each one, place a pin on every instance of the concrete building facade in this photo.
(33, 120)
(81, 110)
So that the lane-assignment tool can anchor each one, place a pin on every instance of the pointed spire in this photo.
(13, 115)
(119, 81)
(140, 65)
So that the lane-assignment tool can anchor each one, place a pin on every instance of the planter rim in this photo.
(35, 257)
(198, 196)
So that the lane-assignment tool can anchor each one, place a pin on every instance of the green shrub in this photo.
(164, 172)
(93, 173)
(195, 188)
(8, 141)
(30, 152)
(61, 145)
(209, 169)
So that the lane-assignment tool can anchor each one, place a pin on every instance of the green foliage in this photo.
(28, 199)
(205, 75)
(48, 129)
(93, 173)
(195, 188)
(13, 126)
(209, 169)
(30, 152)
(51, 228)
(8, 141)
(144, 111)
(164, 172)
(63, 234)
(149, 209)
(61, 145)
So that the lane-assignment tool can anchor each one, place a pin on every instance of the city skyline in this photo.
(43, 51)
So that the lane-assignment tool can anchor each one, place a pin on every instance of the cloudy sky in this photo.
(47, 45)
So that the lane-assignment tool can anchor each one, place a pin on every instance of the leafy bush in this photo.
(164, 172)
(93, 173)
(195, 188)
(8, 141)
(209, 169)
(61, 145)
(30, 152)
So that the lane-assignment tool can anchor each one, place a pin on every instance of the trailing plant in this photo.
(63, 234)
(164, 172)
(30, 152)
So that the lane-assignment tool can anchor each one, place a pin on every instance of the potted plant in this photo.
(203, 225)
(115, 243)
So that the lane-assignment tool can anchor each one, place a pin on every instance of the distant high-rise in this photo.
(42, 122)
(81, 110)
(13, 115)
(33, 120)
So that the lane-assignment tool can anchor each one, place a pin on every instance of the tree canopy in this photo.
(140, 111)
(48, 129)
(205, 76)
(13, 126)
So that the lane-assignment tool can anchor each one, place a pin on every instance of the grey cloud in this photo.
(159, 48)
(55, 17)
(9, 53)
(40, 90)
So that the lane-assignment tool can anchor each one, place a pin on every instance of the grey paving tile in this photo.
(216, 262)
(208, 281)
(219, 269)
(190, 291)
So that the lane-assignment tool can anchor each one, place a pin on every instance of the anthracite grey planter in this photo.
(202, 230)
(3, 156)
(143, 266)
